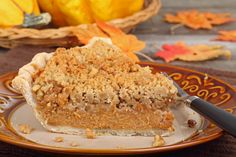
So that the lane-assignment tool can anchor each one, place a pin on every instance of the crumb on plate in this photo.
(191, 123)
(74, 144)
(58, 139)
(25, 128)
(90, 134)
(158, 141)
(171, 129)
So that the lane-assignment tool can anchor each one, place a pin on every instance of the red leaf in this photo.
(200, 52)
(171, 52)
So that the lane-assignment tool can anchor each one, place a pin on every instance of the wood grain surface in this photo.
(155, 32)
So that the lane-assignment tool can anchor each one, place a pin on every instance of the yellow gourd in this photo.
(74, 12)
(12, 11)
(111, 9)
(51, 7)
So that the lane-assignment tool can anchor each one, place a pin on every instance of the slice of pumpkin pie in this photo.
(96, 87)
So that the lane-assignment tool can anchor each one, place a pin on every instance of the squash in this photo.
(74, 12)
(12, 11)
(110, 9)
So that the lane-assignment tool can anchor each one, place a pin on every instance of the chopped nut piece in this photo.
(76, 114)
(49, 104)
(93, 72)
(25, 128)
(58, 139)
(158, 141)
(74, 144)
(90, 134)
(191, 123)
(35, 87)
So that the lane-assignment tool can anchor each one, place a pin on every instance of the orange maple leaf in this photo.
(198, 20)
(218, 18)
(227, 36)
(109, 29)
(194, 19)
(84, 34)
(128, 43)
(185, 52)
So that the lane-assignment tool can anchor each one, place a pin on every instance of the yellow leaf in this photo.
(205, 52)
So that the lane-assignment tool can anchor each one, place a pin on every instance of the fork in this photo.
(220, 117)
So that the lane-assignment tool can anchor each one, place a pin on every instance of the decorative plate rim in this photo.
(35, 146)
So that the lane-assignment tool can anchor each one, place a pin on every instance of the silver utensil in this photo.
(220, 117)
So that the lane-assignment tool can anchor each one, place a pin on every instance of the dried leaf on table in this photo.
(219, 18)
(128, 43)
(109, 29)
(199, 20)
(185, 52)
(227, 36)
(171, 52)
(192, 19)
(205, 52)
(88, 32)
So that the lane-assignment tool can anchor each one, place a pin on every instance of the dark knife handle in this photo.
(220, 117)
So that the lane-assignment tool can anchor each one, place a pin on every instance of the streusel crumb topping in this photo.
(81, 78)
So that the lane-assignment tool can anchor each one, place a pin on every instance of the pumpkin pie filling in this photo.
(100, 88)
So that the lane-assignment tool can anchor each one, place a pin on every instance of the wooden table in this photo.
(156, 32)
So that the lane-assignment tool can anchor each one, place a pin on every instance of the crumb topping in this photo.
(81, 78)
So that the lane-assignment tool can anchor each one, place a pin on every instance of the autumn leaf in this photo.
(205, 52)
(198, 20)
(128, 43)
(218, 18)
(84, 34)
(109, 29)
(171, 52)
(185, 52)
(227, 36)
(194, 19)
